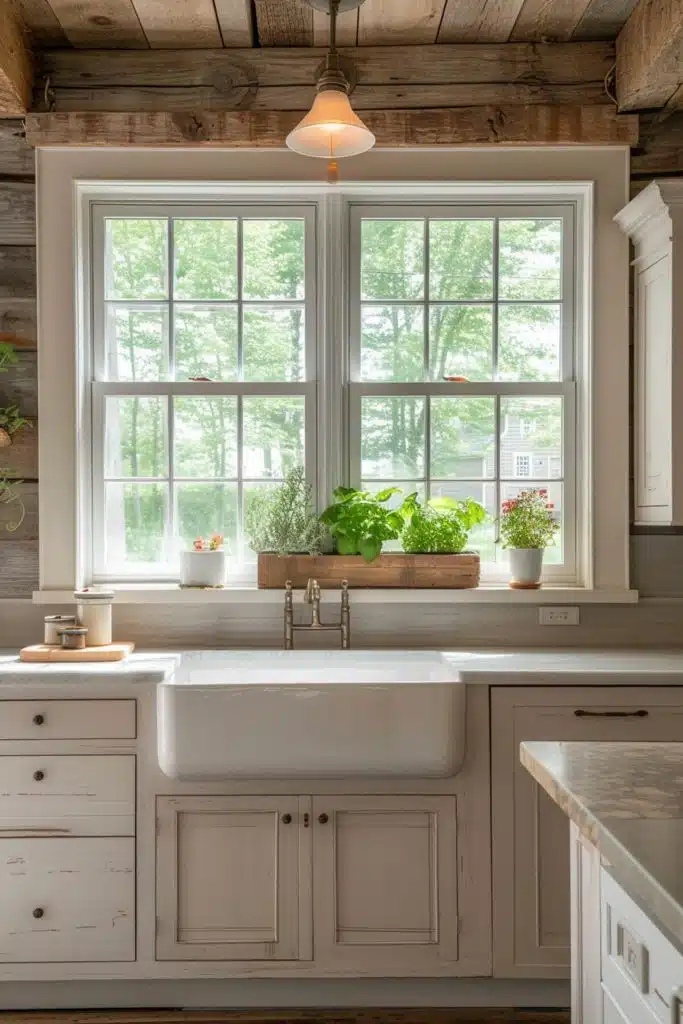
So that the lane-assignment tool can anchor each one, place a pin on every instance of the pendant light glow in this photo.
(331, 128)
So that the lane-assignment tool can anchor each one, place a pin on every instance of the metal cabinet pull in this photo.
(307, 820)
(580, 713)
(286, 819)
(39, 719)
(38, 912)
(323, 819)
(39, 776)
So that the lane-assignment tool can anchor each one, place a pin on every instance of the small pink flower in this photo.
(198, 544)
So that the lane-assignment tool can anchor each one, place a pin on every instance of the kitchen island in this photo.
(625, 803)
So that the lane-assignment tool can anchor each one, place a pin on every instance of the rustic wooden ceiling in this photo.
(192, 24)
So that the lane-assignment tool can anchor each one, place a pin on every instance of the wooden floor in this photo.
(420, 1016)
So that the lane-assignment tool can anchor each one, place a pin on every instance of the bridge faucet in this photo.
(312, 597)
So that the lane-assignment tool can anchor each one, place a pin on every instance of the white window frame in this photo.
(569, 571)
(102, 387)
(594, 180)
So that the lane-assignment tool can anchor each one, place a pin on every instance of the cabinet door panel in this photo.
(228, 878)
(385, 882)
(530, 833)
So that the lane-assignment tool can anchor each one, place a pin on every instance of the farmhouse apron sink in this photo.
(283, 714)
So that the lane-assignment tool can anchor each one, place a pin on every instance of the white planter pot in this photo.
(202, 568)
(526, 566)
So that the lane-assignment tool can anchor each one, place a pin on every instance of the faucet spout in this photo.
(312, 597)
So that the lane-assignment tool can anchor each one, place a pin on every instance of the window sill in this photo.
(165, 593)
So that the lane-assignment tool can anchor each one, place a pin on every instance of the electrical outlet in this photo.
(561, 616)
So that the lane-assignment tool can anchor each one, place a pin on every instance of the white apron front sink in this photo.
(282, 714)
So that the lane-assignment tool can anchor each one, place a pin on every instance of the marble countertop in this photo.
(626, 798)
(493, 667)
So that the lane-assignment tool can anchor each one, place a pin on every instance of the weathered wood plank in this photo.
(170, 24)
(17, 213)
(479, 21)
(18, 567)
(105, 23)
(548, 20)
(300, 97)
(564, 63)
(459, 126)
(16, 156)
(604, 19)
(18, 322)
(234, 18)
(650, 55)
(19, 386)
(17, 272)
(284, 23)
(40, 20)
(660, 150)
(392, 22)
(20, 459)
(16, 63)
(10, 514)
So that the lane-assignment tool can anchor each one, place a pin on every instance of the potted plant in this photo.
(361, 522)
(527, 527)
(205, 564)
(441, 528)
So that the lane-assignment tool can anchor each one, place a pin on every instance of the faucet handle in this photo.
(312, 591)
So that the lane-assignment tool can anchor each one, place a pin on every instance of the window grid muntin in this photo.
(101, 387)
(565, 385)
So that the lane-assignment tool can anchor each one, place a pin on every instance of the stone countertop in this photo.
(627, 799)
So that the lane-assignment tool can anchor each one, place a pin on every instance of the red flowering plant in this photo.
(528, 521)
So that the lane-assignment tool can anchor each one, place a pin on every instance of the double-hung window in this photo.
(204, 371)
(453, 365)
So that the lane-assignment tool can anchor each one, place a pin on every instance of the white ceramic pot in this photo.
(202, 568)
(526, 566)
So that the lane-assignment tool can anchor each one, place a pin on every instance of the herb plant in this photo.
(284, 520)
(361, 522)
(8, 356)
(528, 520)
(9, 495)
(10, 421)
(441, 526)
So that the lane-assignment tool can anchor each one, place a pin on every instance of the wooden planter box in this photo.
(457, 572)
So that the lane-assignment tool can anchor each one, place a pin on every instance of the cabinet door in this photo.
(385, 894)
(530, 834)
(228, 873)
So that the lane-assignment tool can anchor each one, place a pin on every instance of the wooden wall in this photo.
(659, 154)
(18, 386)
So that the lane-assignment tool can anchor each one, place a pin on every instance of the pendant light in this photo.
(331, 129)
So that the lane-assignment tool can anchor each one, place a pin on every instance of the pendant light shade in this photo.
(331, 128)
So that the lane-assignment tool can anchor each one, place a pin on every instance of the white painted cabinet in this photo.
(654, 222)
(530, 837)
(385, 870)
(374, 878)
(228, 878)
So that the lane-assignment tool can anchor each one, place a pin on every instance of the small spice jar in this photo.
(73, 638)
(53, 624)
(94, 611)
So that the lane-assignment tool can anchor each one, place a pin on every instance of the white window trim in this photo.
(61, 558)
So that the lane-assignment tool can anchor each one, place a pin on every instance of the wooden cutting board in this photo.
(53, 653)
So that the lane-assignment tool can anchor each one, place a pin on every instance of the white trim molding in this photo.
(594, 180)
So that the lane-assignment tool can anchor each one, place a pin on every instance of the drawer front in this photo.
(67, 720)
(641, 969)
(65, 900)
(64, 795)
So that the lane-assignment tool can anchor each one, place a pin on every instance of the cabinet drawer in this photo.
(65, 900)
(88, 795)
(641, 969)
(67, 719)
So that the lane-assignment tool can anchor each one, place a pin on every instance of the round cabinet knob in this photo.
(323, 819)
(286, 819)
(39, 719)
(38, 912)
(39, 776)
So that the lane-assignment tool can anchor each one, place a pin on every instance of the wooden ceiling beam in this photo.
(492, 125)
(16, 63)
(650, 56)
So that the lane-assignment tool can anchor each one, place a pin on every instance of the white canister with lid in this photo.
(94, 611)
